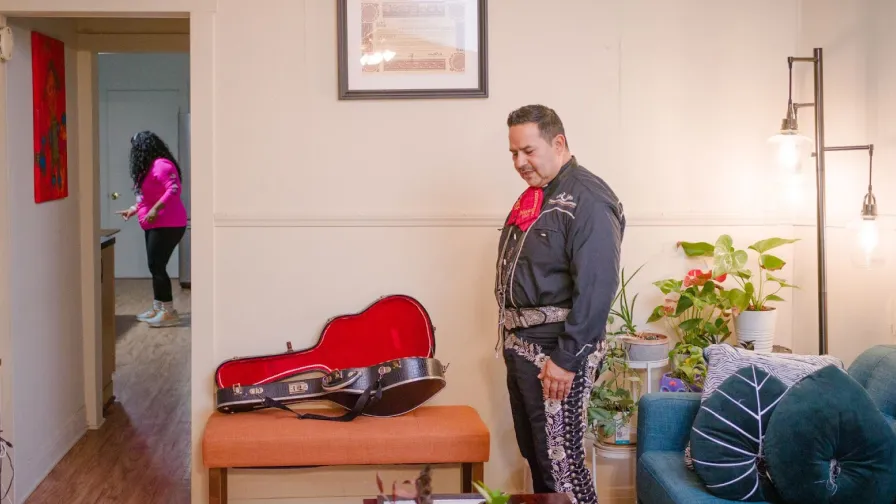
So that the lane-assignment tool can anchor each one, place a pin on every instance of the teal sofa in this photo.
(664, 427)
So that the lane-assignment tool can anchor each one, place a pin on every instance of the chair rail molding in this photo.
(286, 220)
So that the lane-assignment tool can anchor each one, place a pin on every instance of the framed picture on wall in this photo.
(398, 49)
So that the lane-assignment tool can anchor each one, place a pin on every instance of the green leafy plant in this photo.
(699, 312)
(756, 291)
(688, 364)
(612, 397)
(625, 312)
(491, 496)
(695, 308)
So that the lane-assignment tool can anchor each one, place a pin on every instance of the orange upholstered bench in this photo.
(275, 439)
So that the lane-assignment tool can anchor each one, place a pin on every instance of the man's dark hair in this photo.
(549, 123)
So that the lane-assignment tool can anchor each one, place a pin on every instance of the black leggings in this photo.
(160, 243)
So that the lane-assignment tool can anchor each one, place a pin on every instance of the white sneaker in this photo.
(164, 318)
(148, 314)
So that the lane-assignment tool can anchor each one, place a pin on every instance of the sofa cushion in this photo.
(875, 370)
(727, 435)
(663, 479)
(723, 360)
(828, 443)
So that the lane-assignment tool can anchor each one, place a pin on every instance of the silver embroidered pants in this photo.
(550, 433)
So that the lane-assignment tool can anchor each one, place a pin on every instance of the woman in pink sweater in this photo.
(162, 215)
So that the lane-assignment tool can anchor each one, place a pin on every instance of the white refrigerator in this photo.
(183, 155)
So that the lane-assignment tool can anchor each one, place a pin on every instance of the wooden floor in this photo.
(141, 454)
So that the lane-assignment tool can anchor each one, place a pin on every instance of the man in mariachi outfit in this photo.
(557, 275)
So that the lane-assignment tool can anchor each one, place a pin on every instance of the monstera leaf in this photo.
(728, 432)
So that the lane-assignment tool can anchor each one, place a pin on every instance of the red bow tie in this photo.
(527, 208)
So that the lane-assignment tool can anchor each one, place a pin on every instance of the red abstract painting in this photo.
(48, 88)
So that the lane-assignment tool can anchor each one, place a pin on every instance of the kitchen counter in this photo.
(107, 237)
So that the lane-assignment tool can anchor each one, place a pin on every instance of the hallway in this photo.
(141, 454)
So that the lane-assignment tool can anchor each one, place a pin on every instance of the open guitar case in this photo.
(377, 362)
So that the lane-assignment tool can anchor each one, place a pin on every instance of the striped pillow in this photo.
(723, 360)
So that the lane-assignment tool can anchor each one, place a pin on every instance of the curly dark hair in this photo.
(146, 147)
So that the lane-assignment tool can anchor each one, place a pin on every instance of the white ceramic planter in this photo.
(645, 350)
(757, 327)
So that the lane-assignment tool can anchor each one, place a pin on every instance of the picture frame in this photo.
(412, 49)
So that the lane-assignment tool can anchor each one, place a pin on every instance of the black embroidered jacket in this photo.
(569, 257)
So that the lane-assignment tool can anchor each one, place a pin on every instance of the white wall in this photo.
(45, 366)
(859, 109)
(671, 104)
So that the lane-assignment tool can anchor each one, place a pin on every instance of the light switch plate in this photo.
(5, 43)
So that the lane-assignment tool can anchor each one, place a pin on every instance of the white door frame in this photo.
(202, 66)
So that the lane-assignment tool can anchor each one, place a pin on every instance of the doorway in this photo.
(137, 92)
(146, 419)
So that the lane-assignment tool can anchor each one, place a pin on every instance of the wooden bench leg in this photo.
(217, 485)
(470, 472)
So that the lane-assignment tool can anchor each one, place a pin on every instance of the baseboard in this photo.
(59, 446)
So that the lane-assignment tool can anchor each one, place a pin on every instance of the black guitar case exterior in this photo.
(387, 389)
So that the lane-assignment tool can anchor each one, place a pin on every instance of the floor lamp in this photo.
(791, 143)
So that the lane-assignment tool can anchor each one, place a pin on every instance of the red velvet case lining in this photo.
(393, 327)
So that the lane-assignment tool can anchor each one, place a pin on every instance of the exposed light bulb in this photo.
(869, 237)
(865, 243)
(791, 150)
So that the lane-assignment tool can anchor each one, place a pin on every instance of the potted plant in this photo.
(696, 310)
(491, 496)
(421, 490)
(612, 404)
(755, 317)
(639, 346)
(688, 370)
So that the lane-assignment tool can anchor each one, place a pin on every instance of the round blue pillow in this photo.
(827, 443)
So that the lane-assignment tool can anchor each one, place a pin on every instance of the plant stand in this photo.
(616, 452)
(623, 451)
(649, 366)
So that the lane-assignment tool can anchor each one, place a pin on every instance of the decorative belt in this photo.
(531, 317)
